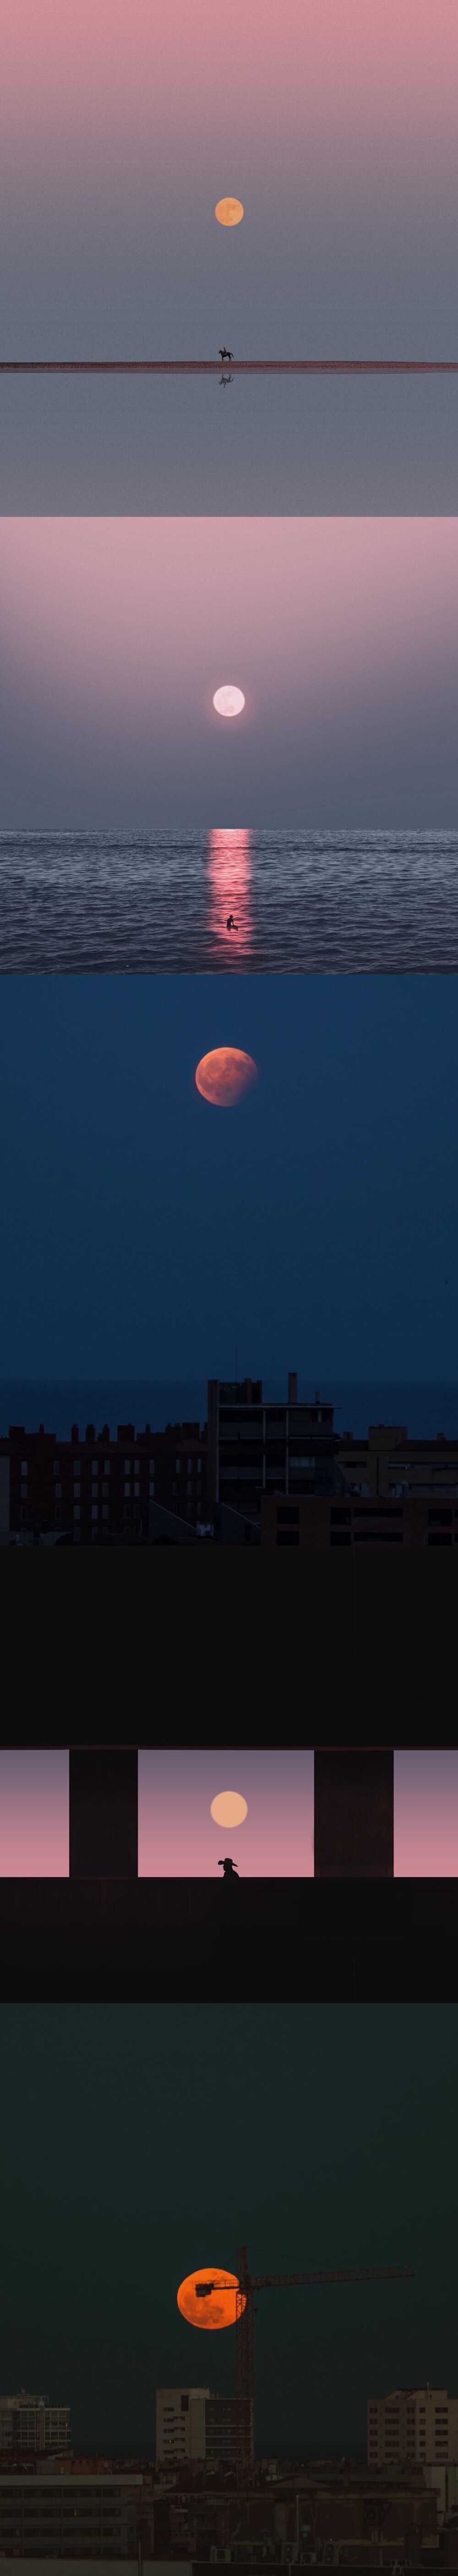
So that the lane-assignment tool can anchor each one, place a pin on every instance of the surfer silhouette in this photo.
(231, 924)
(229, 1867)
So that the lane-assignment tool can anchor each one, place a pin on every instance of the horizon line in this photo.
(241, 366)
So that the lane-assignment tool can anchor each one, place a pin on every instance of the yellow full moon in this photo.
(229, 210)
(228, 1808)
(228, 701)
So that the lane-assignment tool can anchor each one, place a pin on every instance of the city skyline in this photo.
(319, 2355)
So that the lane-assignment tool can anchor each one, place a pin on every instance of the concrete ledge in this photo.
(322, 1641)
(272, 1940)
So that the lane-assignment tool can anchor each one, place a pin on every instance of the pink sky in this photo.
(96, 73)
(33, 1815)
(177, 1835)
(342, 633)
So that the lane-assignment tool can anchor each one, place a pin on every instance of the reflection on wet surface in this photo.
(312, 903)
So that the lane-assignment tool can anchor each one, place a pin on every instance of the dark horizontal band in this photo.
(240, 366)
(263, 1940)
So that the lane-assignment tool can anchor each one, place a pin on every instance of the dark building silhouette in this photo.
(257, 1448)
(354, 1813)
(323, 1521)
(103, 1812)
(97, 1489)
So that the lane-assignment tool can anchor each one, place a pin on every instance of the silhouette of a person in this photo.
(229, 1867)
(231, 924)
(226, 353)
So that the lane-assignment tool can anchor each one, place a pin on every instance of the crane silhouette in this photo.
(244, 2331)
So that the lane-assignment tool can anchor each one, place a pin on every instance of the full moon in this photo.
(224, 1075)
(228, 1808)
(229, 210)
(229, 701)
(216, 2307)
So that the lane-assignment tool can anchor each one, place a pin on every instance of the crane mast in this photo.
(244, 2334)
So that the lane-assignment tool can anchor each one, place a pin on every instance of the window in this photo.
(23, 1511)
(76, 1489)
(151, 1484)
(77, 1512)
(288, 1513)
(105, 1487)
(58, 1489)
(104, 1511)
(24, 1490)
(199, 1466)
(94, 1511)
(56, 1467)
(106, 1466)
(58, 1512)
(23, 1466)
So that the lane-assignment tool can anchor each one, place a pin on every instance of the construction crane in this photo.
(247, 2284)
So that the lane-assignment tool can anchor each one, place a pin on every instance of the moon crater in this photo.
(228, 210)
(216, 2308)
(228, 701)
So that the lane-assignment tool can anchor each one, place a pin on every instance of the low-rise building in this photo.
(419, 2424)
(99, 1489)
(341, 1521)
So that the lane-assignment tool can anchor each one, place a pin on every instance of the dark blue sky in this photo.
(315, 1226)
(142, 2141)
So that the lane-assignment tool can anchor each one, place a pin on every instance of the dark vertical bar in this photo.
(103, 1813)
(354, 1814)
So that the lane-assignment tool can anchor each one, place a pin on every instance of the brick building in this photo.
(96, 1488)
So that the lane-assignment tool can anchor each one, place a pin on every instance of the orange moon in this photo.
(229, 210)
(217, 2307)
(223, 1076)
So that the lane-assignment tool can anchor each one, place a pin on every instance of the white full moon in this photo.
(228, 1808)
(229, 701)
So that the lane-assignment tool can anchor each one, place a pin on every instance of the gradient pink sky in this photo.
(177, 1836)
(157, 75)
(34, 1815)
(121, 127)
(342, 633)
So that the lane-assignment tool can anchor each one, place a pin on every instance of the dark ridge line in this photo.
(239, 366)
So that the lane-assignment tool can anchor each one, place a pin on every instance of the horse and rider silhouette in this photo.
(225, 354)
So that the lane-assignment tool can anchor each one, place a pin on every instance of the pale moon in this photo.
(224, 1075)
(202, 2300)
(229, 701)
(228, 1808)
(229, 210)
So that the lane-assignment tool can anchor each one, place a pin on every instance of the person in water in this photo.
(229, 1867)
(231, 924)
